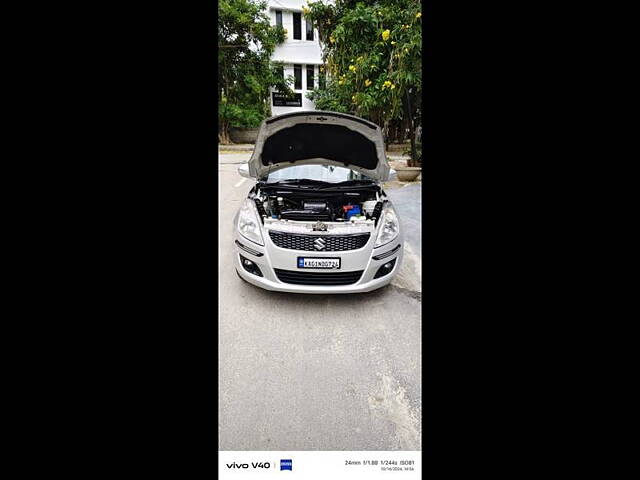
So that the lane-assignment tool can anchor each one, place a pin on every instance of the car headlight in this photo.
(248, 223)
(389, 228)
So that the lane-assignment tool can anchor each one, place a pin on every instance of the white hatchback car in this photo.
(317, 219)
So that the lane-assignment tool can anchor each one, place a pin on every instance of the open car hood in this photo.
(319, 138)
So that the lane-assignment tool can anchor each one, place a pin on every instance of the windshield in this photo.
(320, 173)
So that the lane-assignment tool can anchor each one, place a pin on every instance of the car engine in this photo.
(309, 206)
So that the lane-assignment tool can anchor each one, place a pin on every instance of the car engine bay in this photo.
(291, 206)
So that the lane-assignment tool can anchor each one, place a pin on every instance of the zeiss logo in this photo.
(286, 465)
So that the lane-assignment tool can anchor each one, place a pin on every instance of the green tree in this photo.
(373, 55)
(246, 41)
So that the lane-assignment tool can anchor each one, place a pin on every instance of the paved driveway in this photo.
(318, 372)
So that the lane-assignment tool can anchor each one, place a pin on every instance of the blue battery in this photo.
(355, 210)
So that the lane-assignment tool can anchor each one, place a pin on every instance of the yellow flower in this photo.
(379, 12)
(385, 35)
(359, 59)
(393, 43)
(418, 15)
(406, 50)
(353, 98)
(340, 82)
(352, 68)
(332, 40)
(305, 10)
(367, 82)
(392, 87)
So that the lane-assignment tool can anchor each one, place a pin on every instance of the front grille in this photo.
(318, 278)
(333, 243)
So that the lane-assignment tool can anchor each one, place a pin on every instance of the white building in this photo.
(300, 54)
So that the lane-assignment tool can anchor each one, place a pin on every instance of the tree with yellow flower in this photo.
(373, 51)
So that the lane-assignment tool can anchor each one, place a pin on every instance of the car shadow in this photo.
(317, 299)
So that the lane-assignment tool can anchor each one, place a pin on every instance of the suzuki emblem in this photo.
(319, 243)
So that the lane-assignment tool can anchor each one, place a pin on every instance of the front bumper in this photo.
(286, 259)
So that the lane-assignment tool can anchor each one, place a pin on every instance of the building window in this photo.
(309, 30)
(297, 26)
(297, 74)
(279, 18)
(310, 77)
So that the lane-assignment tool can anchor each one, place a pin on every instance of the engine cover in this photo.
(316, 206)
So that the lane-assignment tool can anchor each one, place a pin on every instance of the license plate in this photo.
(328, 263)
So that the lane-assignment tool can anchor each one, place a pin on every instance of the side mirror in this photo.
(393, 175)
(243, 170)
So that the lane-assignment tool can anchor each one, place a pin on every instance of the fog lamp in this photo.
(385, 269)
(250, 267)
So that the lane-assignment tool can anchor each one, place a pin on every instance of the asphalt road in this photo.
(318, 372)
